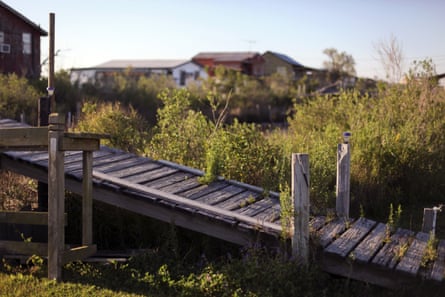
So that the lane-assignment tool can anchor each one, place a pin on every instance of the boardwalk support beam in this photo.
(300, 199)
(343, 177)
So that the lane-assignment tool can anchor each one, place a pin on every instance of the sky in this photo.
(88, 33)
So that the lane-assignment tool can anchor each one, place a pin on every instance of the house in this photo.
(250, 63)
(19, 43)
(279, 63)
(183, 72)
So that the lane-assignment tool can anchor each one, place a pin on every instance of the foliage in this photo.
(397, 142)
(125, 127)
(18, 97)
(181, 133)
(339, 64)
(16, 191)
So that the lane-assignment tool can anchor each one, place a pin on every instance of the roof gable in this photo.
(285, 58)
(24, 19)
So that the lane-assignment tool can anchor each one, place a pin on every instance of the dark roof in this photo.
(226, 56)
(285, 58)
(23, 18)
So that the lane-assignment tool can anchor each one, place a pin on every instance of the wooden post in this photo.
(50, 88)
(56, 197)
(429, 219)
(87, 199)
(42, 188)
(300, 199)
(343, 177)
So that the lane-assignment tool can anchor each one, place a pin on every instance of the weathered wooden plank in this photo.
(411, 261)
(168, 180)
(185, 185)
(18, 138)
(269, 214)
(25, 217)
(438, 270)
(175, 199)
(18, 154)
(240, 200)
(370, 245)
(107, 160)
(99, 157)
(76, 144)
(343, 245)
(151, 175)
(391, 252)
(122, 164)
(257, 207)
(203, 190)
(24, 248)
(330, 231)
(35, 157)
(220, 195)
(316, 223)
(134, 170)
(78, 253)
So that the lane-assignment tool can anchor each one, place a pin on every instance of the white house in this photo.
(183, 72)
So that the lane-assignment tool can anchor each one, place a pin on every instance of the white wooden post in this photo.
(429, 219)
(300, 199)
(56, 197)
(343, 177)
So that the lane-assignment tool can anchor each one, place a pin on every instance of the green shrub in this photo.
(17, 96)
(125, 127)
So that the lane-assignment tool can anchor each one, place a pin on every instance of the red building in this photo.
(19, 43)
(249, 63)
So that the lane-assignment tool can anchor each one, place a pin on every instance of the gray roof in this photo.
(285, 58)
(226, 56)
(23, 18)
(152, 64)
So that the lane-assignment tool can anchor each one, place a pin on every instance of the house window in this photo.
(26, 39)
(2, 37)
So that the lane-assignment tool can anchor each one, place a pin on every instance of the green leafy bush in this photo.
(17, 96)
(125, 127)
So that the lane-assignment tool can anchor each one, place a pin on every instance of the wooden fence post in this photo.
(429, 219)
(87, 199)
(300, 200)
(56, 197)
(343, 177)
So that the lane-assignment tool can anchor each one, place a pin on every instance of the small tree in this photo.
(339, 64)
(390, 54)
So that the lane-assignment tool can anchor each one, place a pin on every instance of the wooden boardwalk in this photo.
(236, 212)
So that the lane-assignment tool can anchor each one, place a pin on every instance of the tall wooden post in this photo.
(52, 34)
(343, 177)
(87, 199)
(42, 188)
(56, 197)
(300, 199)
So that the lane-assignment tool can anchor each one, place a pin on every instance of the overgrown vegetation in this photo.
(397, 159)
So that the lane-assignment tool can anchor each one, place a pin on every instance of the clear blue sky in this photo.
(95, 31)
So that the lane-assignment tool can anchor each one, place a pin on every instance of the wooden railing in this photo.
(56, 141)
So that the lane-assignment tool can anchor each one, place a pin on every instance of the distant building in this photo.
(19, 43)
(250, 63)
(285, 65)
(183, 72)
